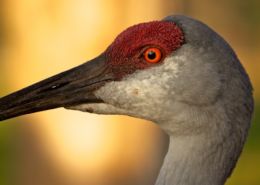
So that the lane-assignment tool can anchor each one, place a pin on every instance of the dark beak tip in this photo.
(68, 88)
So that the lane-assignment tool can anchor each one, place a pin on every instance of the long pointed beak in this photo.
(72, 87)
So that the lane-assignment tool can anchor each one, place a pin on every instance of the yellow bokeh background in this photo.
(43, 37)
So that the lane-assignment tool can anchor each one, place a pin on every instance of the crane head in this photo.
(176, 67)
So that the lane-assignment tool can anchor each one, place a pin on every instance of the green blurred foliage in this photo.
(7, 155)
(254, 136)
(247, 171)
(249, 12)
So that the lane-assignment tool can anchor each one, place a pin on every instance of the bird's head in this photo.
(173, 68)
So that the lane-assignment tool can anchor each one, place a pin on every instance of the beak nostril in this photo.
(54, 87)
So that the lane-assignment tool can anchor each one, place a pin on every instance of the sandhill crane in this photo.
(176, 72)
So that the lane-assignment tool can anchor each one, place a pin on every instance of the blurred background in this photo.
(39, 38)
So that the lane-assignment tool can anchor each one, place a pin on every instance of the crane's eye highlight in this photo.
(152, 55)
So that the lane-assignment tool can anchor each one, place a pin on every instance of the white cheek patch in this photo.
(171, 65)
(144, 91)
(153, 82)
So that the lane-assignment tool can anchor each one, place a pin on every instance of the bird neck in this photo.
(195, 160)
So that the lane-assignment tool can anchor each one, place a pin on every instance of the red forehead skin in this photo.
(124, 55)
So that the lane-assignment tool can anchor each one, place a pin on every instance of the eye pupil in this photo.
(151, 55)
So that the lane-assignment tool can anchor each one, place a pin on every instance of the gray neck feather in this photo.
(190, 162)
(199, 159)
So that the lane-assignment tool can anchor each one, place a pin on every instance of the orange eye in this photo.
(152, 55)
